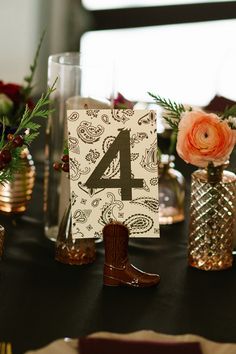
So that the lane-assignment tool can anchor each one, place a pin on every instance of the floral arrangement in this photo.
(17, 126)
(205, 140)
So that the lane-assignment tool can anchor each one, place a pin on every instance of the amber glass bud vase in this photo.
(70, 250)
(171, 191)
(212, 218)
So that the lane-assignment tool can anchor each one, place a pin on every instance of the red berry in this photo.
(10, 137)
(65, 158)
(2, 165)
(5, 156)
(57, 166)
(18, 141)
(65, 167)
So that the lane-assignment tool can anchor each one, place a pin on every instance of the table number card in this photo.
(113, 171)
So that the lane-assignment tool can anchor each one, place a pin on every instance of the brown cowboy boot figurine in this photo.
(117, 269)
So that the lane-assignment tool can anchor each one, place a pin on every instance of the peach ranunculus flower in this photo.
(204, 138)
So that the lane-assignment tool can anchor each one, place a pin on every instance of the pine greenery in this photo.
(29, 129)
(29, 79)
(173, 109)
(229, 112)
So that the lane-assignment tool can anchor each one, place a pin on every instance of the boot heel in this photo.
(110, 281)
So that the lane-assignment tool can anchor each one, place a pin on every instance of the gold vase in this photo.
(212, 219)
(15, 195)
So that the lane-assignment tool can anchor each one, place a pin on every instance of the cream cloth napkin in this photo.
(71, 346)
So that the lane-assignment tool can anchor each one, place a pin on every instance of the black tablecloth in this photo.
(42, 300)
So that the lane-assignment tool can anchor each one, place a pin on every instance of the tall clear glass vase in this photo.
(74, 90)
(212, 219)
(62, 67)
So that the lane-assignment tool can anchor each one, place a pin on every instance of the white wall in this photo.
(188, 63)
(21, 25)
(18, 32)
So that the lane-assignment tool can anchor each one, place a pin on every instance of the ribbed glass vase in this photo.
(212, 219)
(15, 195)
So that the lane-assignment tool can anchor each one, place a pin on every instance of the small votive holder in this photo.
(2, 233)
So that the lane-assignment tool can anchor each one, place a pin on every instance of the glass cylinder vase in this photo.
(56, 185)
(75, 89)
(212, 219)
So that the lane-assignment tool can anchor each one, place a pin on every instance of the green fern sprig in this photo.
(26, 90)
(229, 112)
(174, 110)
(29, 79)
(38, 111)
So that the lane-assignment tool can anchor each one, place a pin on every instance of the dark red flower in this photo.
(30, 104)
(17, 94)
(120, 102)
(13, 91)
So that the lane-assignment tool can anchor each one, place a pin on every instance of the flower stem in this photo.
(214, 173)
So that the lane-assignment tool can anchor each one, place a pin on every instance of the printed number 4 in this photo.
(125, 182)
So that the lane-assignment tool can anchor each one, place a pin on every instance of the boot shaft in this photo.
(116, 238)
